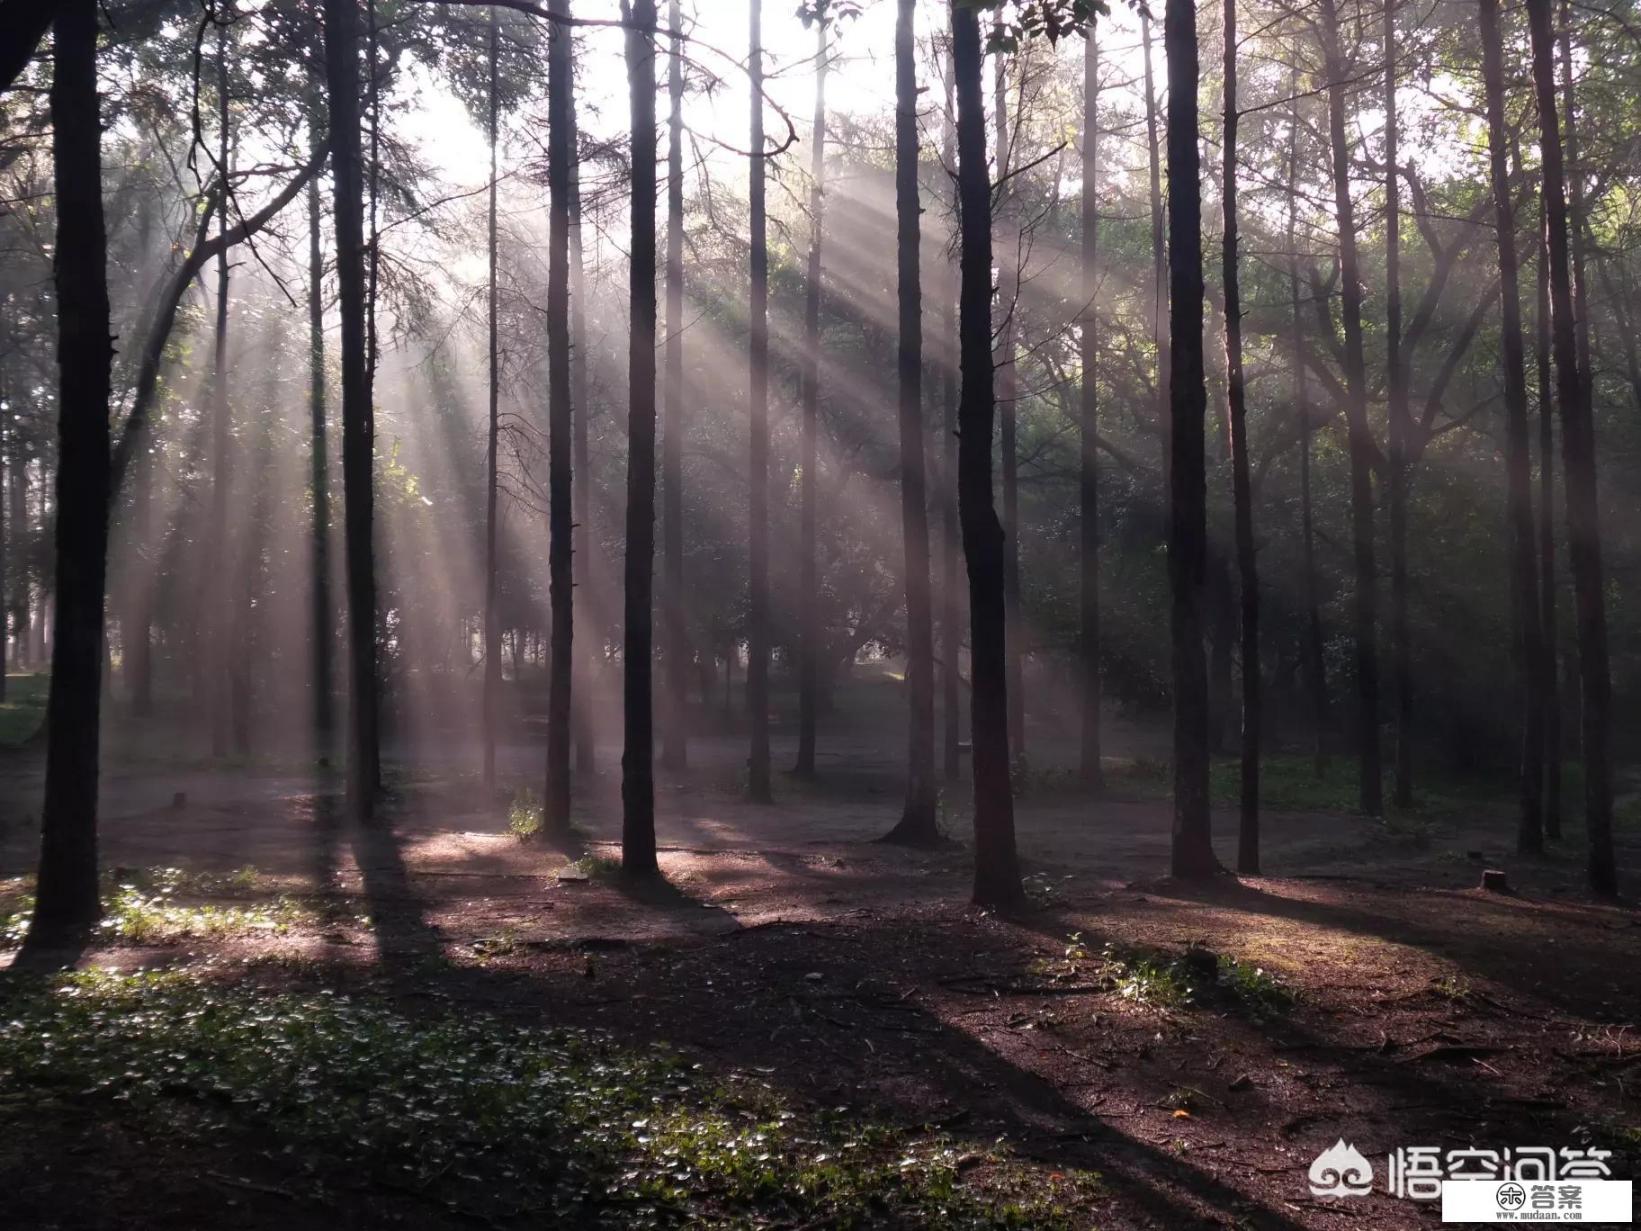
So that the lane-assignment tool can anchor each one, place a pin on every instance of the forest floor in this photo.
(803, 1028)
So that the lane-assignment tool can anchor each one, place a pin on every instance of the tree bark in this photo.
(323, 722)
(1361, 443)
(219, 713)
(1525, 608)
(996, 863)
(492, 633)
(1399, 429)
(66, 899)
(757, 635)
(1547, 552)
(1008, 284)
(1578, 454)
(638, 754)
(560, 427)
(595, 604)
(358, 415)
(918, 818)
(951, 620)
(1159, 243)
(1315, 664)
(809, 631)
(1193, 852)
(1241, 484)
(675, 737)
(1088, 478)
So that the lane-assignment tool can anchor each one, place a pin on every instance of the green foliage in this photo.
(494, 1119)
(1170, 981)
(154, 906)
(526, 815)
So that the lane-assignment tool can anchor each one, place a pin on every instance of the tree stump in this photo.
(1494, 880)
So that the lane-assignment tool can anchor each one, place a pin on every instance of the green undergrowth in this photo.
(491, 1119)
(164, 905)
(1159, 979)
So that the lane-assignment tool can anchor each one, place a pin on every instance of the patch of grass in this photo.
(1162, 980)
(159, 906)
(595, 867)
(24, 709)
(493, 1119)
(526, 815)
(1149, 977)
(1260, 993)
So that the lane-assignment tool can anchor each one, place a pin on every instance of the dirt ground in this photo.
(1425, 1011)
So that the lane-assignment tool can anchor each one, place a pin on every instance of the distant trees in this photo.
(675, 735)
(492, 629)
(757, 618)
(1088, 474)
(1578, 453)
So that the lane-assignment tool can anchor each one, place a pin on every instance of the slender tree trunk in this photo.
(1193, 852)
(1518, 462)
(1088, 484)
(1242, 487)
(1574, 175)
(808, 595)
(595, 603)
(219, 574)
(1399, 428)
(757, 635)
(492, 631)
(1315, 665)
(560, 427)
(319, 468)
(1159, 242)
(1008, 284)
(675, 738)
(1361, 441)
(66, 900)
(918, 818)
(358, 416)
(951, 621)
(638, 754)
(1547, 552)
(996, 863)
(1578, 453)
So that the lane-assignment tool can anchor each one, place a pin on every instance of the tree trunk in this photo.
(1525, 608)
(1547, 552)
(1008, 296)
(675, 737)
(492, 632)
(918, 818)
(1315, 664)
(1088, 478)
(1159, 243)
(1361, 442)
(1578, 453)
(319, 469)
(595, 604)
(1574, 176)
(1399, 428)
(1247, 859)
(757, 622)
(808, 596)
(66, 900)
(638, 752)
(560, 427)
(996, 863)
(1193, 852)
(358, 416)
(951, 620)
(220, 709)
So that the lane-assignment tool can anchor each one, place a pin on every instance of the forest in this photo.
(819, 614)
